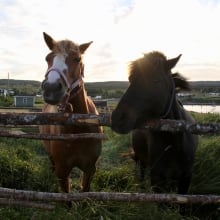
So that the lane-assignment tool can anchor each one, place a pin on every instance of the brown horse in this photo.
(152, 95)
(64, 91)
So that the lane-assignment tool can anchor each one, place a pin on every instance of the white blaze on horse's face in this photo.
(55, 84)
(58, 63)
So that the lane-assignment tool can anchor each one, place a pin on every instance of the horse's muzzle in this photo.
(120, 123)
(52, 93)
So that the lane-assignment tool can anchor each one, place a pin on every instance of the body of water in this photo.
(203, 108)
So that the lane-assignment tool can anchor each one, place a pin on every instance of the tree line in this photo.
(110, 89)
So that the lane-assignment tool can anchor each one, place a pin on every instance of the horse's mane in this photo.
(180, 82)
(65, 46)
(152, 59)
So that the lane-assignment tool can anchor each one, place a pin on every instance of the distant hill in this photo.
(19, 83)
(115, 88)
(21, 87)
(205, 84)
(31, 87)
(89, 85)
(107, 85)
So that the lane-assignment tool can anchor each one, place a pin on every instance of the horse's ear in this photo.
(83, 47)
(172, 62)
(49, 41)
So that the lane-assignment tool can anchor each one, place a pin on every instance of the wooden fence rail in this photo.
(108, 196)
(180, 125)
(60, 137)
(102, 119)
(37, 118)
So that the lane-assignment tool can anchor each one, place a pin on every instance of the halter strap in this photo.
(171, 101)
(76, 83)
(69, 86)
(61, 74)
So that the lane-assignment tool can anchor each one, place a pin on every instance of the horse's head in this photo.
(65, 69)
(150, 94)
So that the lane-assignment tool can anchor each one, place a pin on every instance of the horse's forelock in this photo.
(155, 55)
(65, 46)
(153, 59)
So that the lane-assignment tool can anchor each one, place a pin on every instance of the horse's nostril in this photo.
(118, 118)
(46, 93)
(44, 85)
(121, 117)
(59, 86)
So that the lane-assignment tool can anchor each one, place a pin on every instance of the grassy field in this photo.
(24, 164)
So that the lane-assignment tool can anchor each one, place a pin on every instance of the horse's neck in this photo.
(79, 102)
(177, 110)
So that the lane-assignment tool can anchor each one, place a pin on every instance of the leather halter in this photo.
(66, 106)
(163, 117)
(171, 101)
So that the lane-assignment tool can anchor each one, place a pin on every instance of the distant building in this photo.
(24, 101)
(180, 94)
(6, 92)
(100, 103)
(98, 97)
(214, 94)
(1, 92)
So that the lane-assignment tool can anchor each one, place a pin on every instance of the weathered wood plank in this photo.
(180, 125)
(37, 118)
(108, 196)
(105, 120)
(61, 137)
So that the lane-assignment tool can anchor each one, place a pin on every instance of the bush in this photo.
(6, 101)
(14, 171)
(23, 166)
(206, 118)
(206, 176)
(113, 148)
(116, 180)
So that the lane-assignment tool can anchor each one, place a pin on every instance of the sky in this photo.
(121, 31)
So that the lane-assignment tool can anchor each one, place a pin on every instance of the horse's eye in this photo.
(77, 59)
(49, 57)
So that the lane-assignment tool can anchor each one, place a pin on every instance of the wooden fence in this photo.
(32, 198)
(15, 119)
(26, 198)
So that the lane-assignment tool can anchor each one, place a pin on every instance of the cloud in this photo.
(121, 30)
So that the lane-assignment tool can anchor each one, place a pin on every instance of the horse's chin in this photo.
(122, 128)
(123, 125)
(51, 102)
(126, 128)
(53, 99)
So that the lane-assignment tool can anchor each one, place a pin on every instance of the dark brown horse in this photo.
(152, 95)
(64, 91)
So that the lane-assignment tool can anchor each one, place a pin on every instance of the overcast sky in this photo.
(121, 30)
